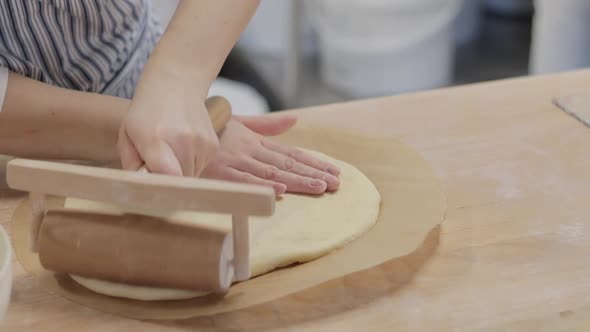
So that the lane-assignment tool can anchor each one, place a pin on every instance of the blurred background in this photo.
(298, 53)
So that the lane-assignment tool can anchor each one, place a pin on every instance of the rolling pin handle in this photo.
(38, 213)
(240, 234)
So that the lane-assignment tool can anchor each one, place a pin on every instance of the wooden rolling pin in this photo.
(219, 112)
(137, 250)
(142, 250)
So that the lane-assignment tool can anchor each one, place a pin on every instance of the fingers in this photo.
(160, 158)
(130, 158)
(206, 148)
(184, 153)
(301, 157)
(295, 183)
(203, 157)
(193, 149)
(267, 125)
(291, 165)
(232, 174)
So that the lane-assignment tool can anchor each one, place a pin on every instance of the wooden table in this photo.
(515, 246)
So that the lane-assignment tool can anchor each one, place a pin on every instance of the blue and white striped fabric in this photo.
(88, 45)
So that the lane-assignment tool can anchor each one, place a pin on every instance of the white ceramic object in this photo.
(268, 32)
(560, 36)
(5, 272)
(361, 73)
(380, 47)
(378, 20)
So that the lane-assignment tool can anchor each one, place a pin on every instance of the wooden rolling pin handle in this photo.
(240, 234)
(220, 112)
(38, 209)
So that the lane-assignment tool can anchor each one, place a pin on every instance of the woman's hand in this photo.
(247, 156)
(167, 125)
(170, 132)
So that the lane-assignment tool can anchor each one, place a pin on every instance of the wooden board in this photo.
(403, 178)
(514, 245)
(576, 105)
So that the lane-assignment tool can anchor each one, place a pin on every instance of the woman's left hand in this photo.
(246, 155)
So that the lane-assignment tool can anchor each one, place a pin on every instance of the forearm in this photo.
(198, 40)
(39, 120)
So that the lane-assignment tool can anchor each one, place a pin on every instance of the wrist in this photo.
(100, 120)
(170, 75)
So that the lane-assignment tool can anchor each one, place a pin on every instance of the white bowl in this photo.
(5, 272)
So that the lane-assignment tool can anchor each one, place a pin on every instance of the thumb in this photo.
(268, 125)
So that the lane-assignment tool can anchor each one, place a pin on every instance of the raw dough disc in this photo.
(135, 292)
(303, 228)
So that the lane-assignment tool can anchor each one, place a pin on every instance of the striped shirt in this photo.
(87, 45)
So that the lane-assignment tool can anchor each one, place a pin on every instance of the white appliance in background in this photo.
(244, 99)
(383, 47)
(560, 36)
(269, 32)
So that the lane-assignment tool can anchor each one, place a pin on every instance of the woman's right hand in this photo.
(170, 133)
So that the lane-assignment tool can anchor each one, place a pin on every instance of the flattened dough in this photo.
(303, 228)
(135, 292)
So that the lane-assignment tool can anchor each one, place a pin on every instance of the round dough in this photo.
(135, 292)
(303, 228)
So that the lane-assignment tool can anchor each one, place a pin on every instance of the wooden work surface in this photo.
(515, 246)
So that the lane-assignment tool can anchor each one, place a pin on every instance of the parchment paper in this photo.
(413, 205)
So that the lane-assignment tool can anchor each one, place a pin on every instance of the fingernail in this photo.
(333, 182)
(280, 188)
(318, 184)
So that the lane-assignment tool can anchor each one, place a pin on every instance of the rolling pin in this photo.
(138, 249)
